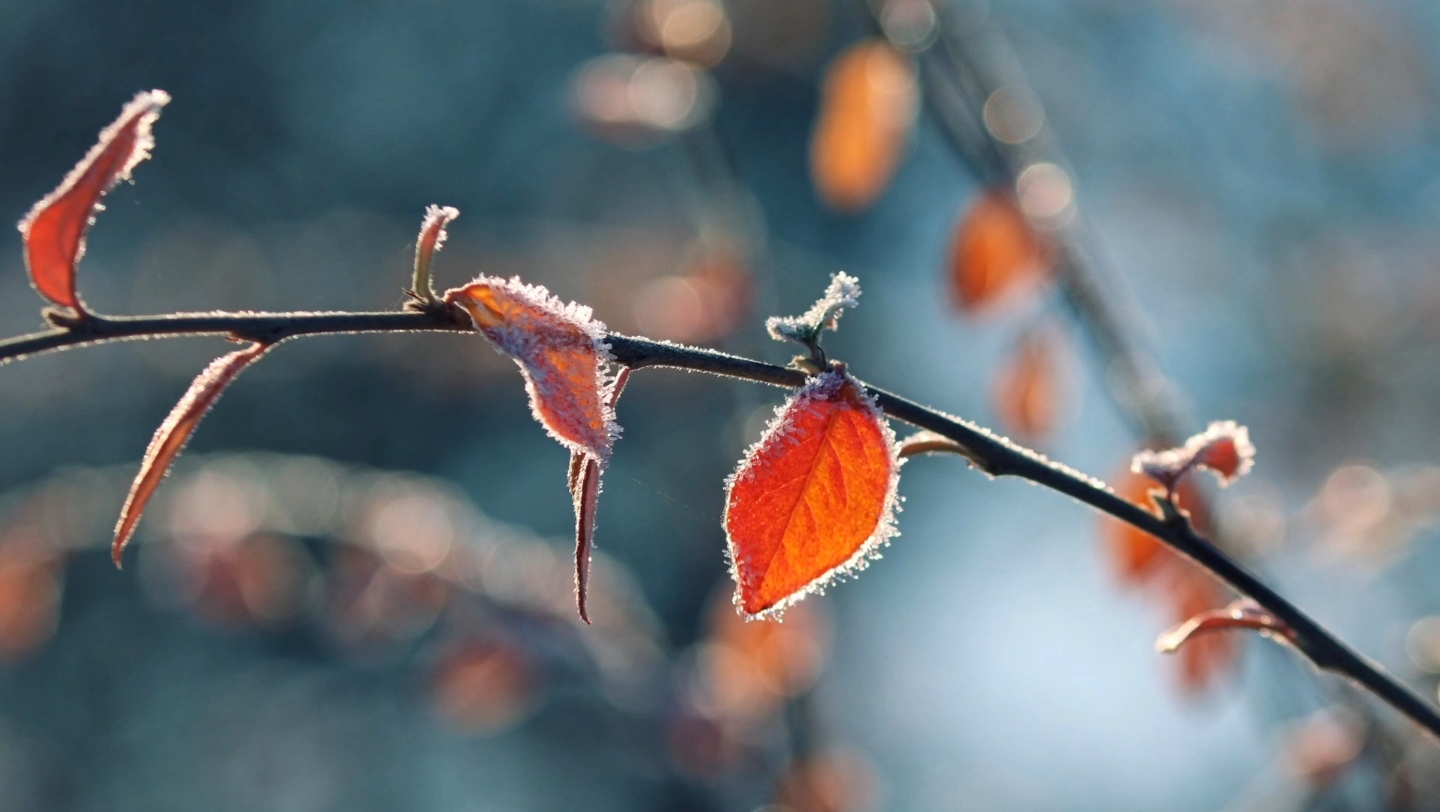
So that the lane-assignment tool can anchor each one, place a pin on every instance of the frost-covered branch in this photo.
(992, 454)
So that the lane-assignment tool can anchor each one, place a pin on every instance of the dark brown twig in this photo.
(993, 454)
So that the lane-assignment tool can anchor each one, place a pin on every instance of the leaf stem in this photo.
(991, 453)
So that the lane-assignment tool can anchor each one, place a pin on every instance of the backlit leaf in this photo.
(561, 351)
(584, 482)
(867, 106)
(996, 254)
(54, 230)
(431, 239)
(814, 499)
(170, 438)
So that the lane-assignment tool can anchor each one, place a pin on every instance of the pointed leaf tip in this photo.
(814, 499)
(560, 349)
(584, 483)
(54, 230)
(174, 433)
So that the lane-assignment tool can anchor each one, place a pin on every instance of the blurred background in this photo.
(1094, 226)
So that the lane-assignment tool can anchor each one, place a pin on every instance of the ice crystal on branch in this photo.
(842, 294)
(1224, 449)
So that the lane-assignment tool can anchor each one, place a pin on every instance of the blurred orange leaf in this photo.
(170, 438)
(867, 105)
(836, 781)
(1028, 386)
(431, 239)
(561, 351)
(54, 230)
(30, 585)
(1135, 554)
(814, 498)
(996, 254)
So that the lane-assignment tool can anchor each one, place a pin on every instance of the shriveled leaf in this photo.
(431, 239)
(1028, 387)
(1224, 449)
(560, 349)
(814, 499)
(54, 230)
(996, 254)
(584, 482)
(843, 293)
(170, 438)
(867, 107)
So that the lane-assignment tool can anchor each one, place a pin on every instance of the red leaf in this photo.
(1224, 449)
(561, 351)
(584, 481)
(996, 254)
(867, 106)
(431, 239)
(54, 230)
(170, 438)
(1027, 389)
(814, 498)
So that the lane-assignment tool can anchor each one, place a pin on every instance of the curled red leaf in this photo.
(814, 499)
(54, 230)
(170, 438)
(1224, 449)
(584, 482)
(560, 349)
(431, 239)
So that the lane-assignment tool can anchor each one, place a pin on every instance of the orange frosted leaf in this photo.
(995, 254)
(170, 438)
(867, 106)
(1027, 390)
(561, 351)
(54, 230)
(814, 499)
